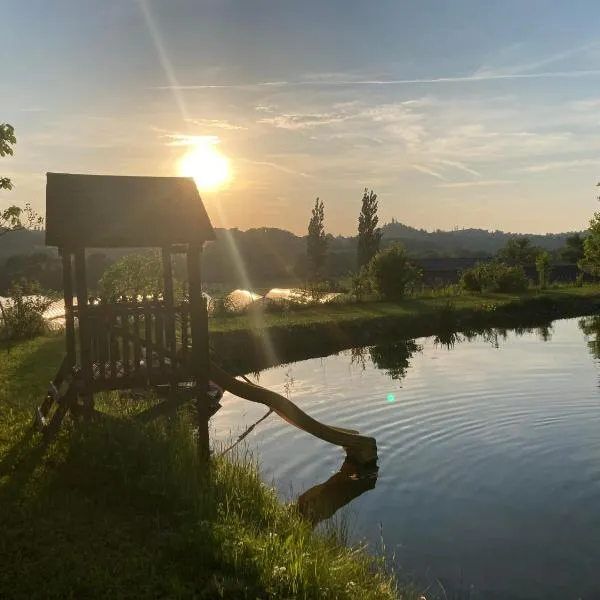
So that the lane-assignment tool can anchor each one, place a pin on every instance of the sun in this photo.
(209, 168)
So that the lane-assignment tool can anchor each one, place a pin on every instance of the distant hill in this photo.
(463, 242)
(255, 256)
(456, 243)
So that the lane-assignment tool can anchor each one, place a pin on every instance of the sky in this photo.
(463, 113)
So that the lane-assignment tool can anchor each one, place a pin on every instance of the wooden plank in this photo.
(137, 352)
(126, 340)
(84, 333)
(113, 344)
(67, 266)
(149, 344)
(169, 303)
(102, 342)
(159, 333)
(200, 350)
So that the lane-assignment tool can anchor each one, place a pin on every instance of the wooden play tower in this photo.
(126, 343)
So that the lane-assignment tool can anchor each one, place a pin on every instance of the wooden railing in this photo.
(135, 342)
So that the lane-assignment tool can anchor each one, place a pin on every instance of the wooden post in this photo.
(67, 266)
(200, 349)
(84, 333)
(169, 302)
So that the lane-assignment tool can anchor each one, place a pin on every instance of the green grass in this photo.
(413, 306)
(120, 509)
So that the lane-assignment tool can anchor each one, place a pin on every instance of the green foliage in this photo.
(590, 263)
(392, 272)
(519, 250)
(7, 141)
(542, 266)
(316, 242)
(133, 275)
(494, 276)
(23, 318)
(369, 235)
(361, 284)
(573, 250)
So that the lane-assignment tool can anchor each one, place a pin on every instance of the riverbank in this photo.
(119, 509)
(258, 339)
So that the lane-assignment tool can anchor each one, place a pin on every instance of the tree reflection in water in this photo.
(394, 358)
(591, 329)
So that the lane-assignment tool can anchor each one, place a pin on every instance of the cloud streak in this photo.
(475, 78)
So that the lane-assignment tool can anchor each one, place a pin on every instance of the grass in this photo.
(411, 306)
(120, 508)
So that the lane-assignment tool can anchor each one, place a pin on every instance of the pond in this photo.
(489, 455)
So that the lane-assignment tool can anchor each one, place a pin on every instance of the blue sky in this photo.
(464, 113)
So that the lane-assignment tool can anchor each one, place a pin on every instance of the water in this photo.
(489, 470)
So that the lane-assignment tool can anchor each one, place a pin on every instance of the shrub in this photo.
(361, 284)
(542, 265)
(494, 277)
(392, 272)
(23, 318)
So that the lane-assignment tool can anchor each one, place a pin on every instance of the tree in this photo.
(133, 275)
(392, 272)
(572, 251)
(14, 217)
(542, 265)
(519, 250)
(7, 141)
(316, 242)
(369, 235)
(590, 263)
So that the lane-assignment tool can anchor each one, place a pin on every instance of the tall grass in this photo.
(121, 508)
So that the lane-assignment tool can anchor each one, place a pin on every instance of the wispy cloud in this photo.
(480, 183)
(525, 68)
(215, 123)
(560, 165)
(474, 78)
(303, 121)
(428, 171)
(178, 139)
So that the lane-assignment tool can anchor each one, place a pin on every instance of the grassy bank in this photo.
(260, 339)
(119, 509)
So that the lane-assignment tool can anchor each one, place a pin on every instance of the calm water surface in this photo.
(489, 468)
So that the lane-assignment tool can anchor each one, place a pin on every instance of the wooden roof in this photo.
(107, 211)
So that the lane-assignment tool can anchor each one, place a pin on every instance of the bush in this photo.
(392, 272)
(542, 265)
(23, 318)
(361, 284)
(494, 277)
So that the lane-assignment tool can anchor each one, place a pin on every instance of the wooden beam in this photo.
(85, 348)
(67, 266)
(200, 349)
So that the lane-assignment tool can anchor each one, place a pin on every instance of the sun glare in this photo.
(209, 168)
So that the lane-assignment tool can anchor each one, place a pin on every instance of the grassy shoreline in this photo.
(258, 340)
(120, 509)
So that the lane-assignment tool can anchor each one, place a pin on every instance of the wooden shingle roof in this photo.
(107, 211)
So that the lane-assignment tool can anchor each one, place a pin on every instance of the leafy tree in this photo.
(494, 276)
(133, 275)
(392, 272)
(542, 266)
(590, 263)
(7, 141)
(23, 316)
(369, 235)
(14, 217)
(519, 250)
(316, 242)
(572, 252)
